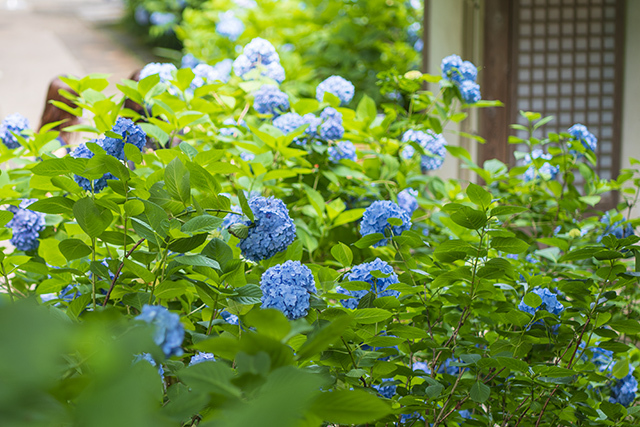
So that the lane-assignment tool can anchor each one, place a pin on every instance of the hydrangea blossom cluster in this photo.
(169, 332)
(616, 229)
(83, 152)
(272, 231)
(550, 302)
(205, 73)
(387, 391)
(131, 134)
(624, 390)
(200, 357)
(342, 150)
(247, 156)
(338, 86)
(231, 131)
(546, 171)
(26, 226)
(141, 16)
(582, 134)
(331, 127)
(229, 26)
(165, 71)
(463, 74)
(286, 287)
(231, 319)
(270, 100)
(261, 54)
(444, 368)
(362, 272)
(161, 19)
(432, 143)
(375, 219)
(231, 219)
(407, 200)
(603, 359)
(189, 61)
(15, 123)
(289, 122)
(148, 358)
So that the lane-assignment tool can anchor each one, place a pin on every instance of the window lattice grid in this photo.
(565, 66)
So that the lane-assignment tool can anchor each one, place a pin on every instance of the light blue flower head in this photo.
(450, 66)
(14, 123)
(229, 26)
(165, 71)
(189, 61)
(432, 143)
(231, 319)
(616, 229)
(223, 69)
(362, 272)
(169, 332)
(550, 302)
(270, 100)
(162, 18)
(547, 170)
(259, 53)
(470, 92)
(83, 152)
(205, 73)
(288, 122)
(582, 134)
(141, 16)
(26, 226)
(624, 390)
(313, 122)
(385, 390)
(342, 150)
(131, 134)
(375, 219)
(231, 219)
(286, 287)
(272, 231)
(200, 357)
(338, 86)
(407, 200)
(232, 131)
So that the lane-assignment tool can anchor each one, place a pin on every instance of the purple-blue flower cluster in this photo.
(375, 220)
(624, 390)
(546, 171)
(286, 287)
(616, 229)
(432, 143)
(205, 73)
(168, 333)
(463, 74)
(165, 71)
(13, 124)
(189, 61)
(272, 230)
(229, 26)
(338, 86)
(270, 100)
(261, 54)
(25, 226)
(200, 357)
(289, 122)
(384, 389)
(331, 127)
(342, 150)
(407, 200)
(131, 134)
(582, 134)
(362, 272)
(231, 319)
(550, 302)
(83, 152)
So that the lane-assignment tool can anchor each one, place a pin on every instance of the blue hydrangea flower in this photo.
(407, 200)
(470, 92)
(331, 113)
(286, 287)
(375, 219)
(162, 18)
(582, 134)
(450, 65)
(141, 16)
(223, 69)
(432, 143)
(165, 71)
(200, 357)
(313, 122)
(546, 171)
(338, 86)
(289, 122)
(247, 156)
(362, 272)
(331, 130)
(383, 390)
(131, 134)
(232, 131)
(259, 53)
(231, 219)
(624, 390)
(550, 302)
(272, 231)
(189, 61)
(231, 319)
(15, 123)
(342, 150)
(205, 73)
(148, 358)
(83, 152)
(616, 229)
(169, 332)
(229, 26)
(603, 359)
(26, 226)
(270, 100)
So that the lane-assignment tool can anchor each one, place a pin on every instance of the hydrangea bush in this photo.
(310, 267)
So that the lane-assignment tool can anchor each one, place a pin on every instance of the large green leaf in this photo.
(176, 179)
(349, 407)
(91, 218)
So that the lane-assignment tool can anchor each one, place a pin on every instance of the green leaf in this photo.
(510, 245)
(579, 254)
(176, 179)
(131, 152)
(210, 377)
(532, 300)
(51, 167)
(479, 392)
(187, 244)
(201, 224)
(342, 254)
(368, 240)
(53, 205)
(349, 406)
(366, 110)
(479, 195)
(323, 338)
(197, 260)
(469, 218)
(92, 219)
(244, 204)
(74, 249)
(348, 216)
(513, 364)
(628, 327)
(139, 270)
(172, 289)
(507, 210)
(220, 251)
(137, 299)
(367, 316)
